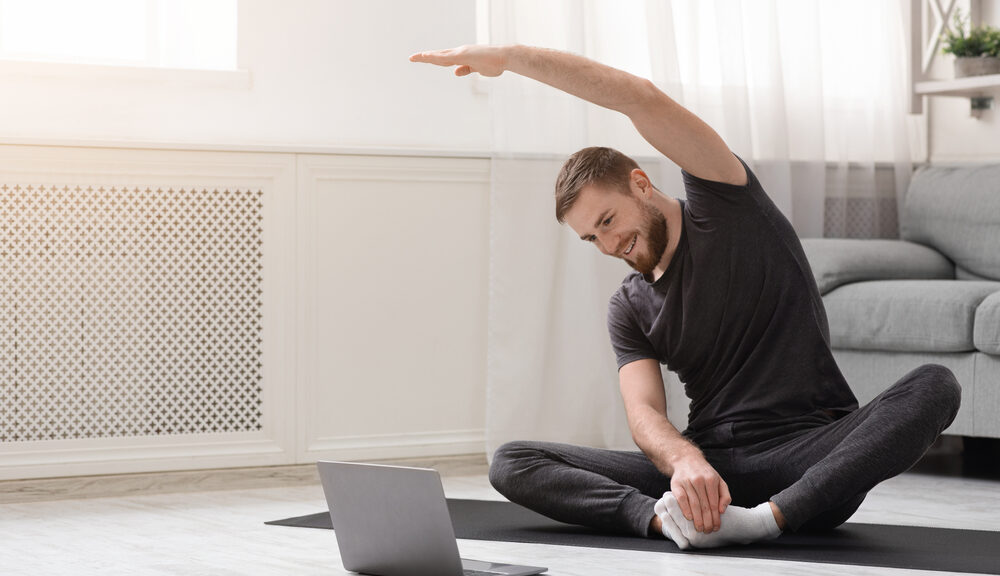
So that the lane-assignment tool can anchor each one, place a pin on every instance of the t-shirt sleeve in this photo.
(628, 341)
(710, 199)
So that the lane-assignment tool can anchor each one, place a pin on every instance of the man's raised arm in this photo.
(669, 127)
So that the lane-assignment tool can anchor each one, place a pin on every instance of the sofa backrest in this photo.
(956, 210)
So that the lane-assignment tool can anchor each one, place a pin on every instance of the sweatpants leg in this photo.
(874, 443)
(604, 489)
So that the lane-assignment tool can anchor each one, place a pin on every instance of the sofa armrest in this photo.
(838, 261)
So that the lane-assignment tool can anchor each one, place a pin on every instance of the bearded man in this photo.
(722, 295)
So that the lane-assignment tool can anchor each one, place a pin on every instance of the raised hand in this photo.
(483, 60)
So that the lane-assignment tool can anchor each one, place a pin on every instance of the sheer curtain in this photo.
(810, 93)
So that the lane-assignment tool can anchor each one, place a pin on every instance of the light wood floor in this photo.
(222, 532)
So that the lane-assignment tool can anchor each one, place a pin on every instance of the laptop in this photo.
(394, 521)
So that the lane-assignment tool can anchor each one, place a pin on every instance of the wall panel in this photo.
(395, 265)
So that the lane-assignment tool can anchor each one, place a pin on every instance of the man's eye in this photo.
(591, 238)
(607, 220)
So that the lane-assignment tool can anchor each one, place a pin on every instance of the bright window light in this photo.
(191, 34)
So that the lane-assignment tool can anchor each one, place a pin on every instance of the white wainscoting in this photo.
(394, 268)
(372, 310)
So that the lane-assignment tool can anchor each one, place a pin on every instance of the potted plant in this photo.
(976, 53)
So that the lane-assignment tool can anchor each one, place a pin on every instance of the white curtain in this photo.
(811, 93)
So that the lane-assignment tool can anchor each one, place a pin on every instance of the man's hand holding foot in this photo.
(737, 525)
(699, 490)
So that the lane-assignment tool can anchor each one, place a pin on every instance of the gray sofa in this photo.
(932, 296)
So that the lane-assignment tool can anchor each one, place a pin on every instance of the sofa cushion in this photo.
(906, 315)
(986, 333)
(838, 261)
(956, 210)
(963, 274)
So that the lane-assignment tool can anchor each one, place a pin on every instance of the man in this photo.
(723, 295)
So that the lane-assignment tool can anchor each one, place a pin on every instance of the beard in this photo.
(654, 228)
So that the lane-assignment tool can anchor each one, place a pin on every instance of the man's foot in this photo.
(668, 526)
(737, 525)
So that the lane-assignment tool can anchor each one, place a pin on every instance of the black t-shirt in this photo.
(737, 316)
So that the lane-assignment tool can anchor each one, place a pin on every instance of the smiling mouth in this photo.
(631, 244)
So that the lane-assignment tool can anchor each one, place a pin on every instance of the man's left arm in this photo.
(673, 130)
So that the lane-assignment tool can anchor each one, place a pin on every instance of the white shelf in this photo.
(969, 87)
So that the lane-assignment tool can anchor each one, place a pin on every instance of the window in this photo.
(834, 72)
(185, 34)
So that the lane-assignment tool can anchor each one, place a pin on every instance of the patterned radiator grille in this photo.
(129, 312)
(861, 218)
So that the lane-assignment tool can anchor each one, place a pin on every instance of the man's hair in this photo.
(594, 165)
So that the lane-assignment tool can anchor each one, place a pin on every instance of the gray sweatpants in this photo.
(817, 474)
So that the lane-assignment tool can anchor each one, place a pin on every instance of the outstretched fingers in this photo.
(483, 60)
(444, 57)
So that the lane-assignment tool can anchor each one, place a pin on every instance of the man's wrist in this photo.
(683, 452)
(511, 56)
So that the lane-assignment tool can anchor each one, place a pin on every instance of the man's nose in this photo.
(607, 243)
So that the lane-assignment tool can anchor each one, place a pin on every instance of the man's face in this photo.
(625, 226)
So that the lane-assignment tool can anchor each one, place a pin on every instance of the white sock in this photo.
(670, 528)
(736, 525)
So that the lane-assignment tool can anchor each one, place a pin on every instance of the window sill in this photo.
(170, 77)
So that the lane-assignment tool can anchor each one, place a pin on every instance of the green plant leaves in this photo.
(980, 41)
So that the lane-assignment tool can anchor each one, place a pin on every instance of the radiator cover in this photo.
(129, 311)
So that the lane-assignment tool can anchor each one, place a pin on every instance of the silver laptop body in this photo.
(394, 521)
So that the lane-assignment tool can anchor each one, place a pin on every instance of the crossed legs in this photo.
(876, 442)
(604, 489)
(817, 477)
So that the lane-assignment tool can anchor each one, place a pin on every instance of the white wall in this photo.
(955, 136)
(372, 310)
(322, 73)
(370, 357)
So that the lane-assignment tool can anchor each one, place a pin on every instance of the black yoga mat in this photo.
(881, 545)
